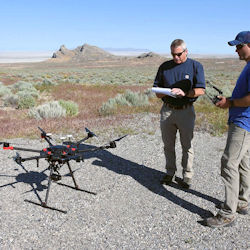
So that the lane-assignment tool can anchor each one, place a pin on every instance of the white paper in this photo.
(165, 91)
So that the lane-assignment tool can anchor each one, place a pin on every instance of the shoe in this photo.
(219, 221)
(167, 179)
(240, 209)
(185, 182)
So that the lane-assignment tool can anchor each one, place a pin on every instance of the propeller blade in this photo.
(118, 139)
(91, 134)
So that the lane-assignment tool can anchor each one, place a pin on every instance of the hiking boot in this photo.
(185, 182)
(219, 221)
(167, 179)
(240, 209)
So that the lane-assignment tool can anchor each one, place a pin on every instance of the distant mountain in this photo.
(85, 52)
(150, 55)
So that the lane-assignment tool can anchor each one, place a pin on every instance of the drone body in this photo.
(57, 156)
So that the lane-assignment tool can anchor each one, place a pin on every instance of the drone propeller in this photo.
(17, 158)
(90, 133)
(118, 139)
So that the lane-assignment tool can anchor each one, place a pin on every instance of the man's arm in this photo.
(227, 102)
(195, 92)
(160, 95)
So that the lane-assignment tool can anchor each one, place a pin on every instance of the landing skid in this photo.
(76, 188)
(46, 206)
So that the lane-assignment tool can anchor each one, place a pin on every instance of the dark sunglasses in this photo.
(240, 46)
(178, 54)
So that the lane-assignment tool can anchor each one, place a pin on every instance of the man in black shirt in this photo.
(185, 77)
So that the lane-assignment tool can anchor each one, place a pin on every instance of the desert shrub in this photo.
(149, 93)
(121, 100)
(136, 99)
(21, 85)
(108, 108)
(48, 110)
(70, 107)
(4, 90)
(25, 100)
(46, 82)
(11, 100)
(25, 87)
(129, 98)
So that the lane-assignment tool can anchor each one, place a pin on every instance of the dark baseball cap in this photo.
(242, 37)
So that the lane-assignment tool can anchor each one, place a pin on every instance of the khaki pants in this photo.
(171, 121)
(235, 170)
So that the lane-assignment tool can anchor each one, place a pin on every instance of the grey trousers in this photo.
(181, 120)
(235, 170)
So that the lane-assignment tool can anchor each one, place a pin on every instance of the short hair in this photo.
(177, 43)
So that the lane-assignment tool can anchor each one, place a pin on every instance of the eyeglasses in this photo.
(178, 54)
(240, 46)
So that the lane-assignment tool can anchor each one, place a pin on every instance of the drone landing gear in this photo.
(76, 187)
(43, 204)
(55, 176)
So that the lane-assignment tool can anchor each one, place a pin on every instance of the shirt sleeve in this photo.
(158, 82)
(199, 77)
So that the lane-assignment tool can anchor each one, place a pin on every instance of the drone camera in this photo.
(6, 144)
(56, 177)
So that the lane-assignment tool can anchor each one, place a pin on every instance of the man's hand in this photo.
(178, 92)
(224, 103)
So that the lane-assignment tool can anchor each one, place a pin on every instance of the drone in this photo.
(214, 98)
(57, 156)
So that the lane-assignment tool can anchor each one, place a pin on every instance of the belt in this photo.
(179, 107)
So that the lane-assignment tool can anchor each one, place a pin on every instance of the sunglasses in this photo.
(178, 54)
(240, 46)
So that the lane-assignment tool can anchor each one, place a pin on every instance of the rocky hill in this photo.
(84, 52)
(88, 53)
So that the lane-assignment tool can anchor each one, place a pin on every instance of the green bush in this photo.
(48, 110)
(26, 101)
(70, 107)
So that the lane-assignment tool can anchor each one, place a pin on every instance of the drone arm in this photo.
(45, 136)
(32, 158)
(112, 144)
(84, 139)
(6, 146)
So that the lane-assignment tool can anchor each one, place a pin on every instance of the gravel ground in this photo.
(131, 209)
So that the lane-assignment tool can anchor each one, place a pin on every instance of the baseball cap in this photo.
(242, 37)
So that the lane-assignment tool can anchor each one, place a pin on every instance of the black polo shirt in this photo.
(186, 76)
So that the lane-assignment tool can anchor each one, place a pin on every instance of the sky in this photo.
(44, 25)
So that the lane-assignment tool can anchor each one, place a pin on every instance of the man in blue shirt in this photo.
(235, 168)
(185, 77)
